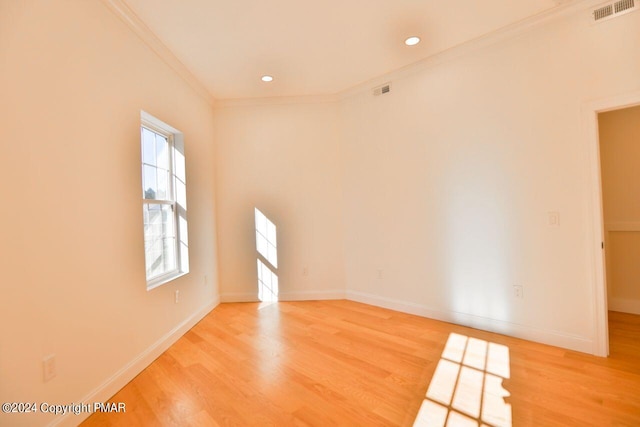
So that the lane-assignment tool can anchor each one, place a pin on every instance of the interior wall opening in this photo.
(619, 144)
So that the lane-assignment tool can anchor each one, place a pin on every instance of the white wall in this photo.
(448, 181)
(283, 159)
(446, 184)
(73, 79)
(431, 199)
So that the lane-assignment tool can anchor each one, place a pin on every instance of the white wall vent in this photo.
(614, 9)
(382, 89)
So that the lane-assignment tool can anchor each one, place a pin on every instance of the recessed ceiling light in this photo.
(412, 41)
(266, 78)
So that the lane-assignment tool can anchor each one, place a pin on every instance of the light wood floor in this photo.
(341, 363)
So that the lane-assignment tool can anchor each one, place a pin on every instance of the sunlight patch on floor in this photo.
(466, 388)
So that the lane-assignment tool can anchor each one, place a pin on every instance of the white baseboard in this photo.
(285, 296)
(555, 338)
(118, 380)
(624, 305)
(312, 295)
(239, 297)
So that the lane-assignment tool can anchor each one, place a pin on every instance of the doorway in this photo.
(596, 230)
(619, 138)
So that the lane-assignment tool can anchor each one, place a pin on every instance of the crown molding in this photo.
(122, 10)
(564, 8)
(276, 100)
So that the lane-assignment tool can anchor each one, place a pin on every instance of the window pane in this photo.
(169, 253)
(148, 147)
(159, 239)
(156, 170)
(149, 182)
(163, 185)
(162, 152)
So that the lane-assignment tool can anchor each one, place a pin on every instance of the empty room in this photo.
(343, 213)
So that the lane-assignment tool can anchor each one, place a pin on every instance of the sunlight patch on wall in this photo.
(479, 265)
(267, 247)
(267, 283)
(466, 388)
(266, 242)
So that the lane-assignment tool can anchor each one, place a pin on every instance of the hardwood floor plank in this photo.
(321, 363)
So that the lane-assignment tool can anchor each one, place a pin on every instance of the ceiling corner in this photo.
(122, 10)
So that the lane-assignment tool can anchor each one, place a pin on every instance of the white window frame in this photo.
(177, 202)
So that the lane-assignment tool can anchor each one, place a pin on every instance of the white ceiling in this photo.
(315, 47)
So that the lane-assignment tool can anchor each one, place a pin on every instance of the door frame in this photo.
(595, 218)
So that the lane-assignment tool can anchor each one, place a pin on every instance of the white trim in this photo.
(474, 45)
(167, 277)
(158, 201)
(157, 125)
(128, 16)
(239, 297)
(277, 100)
(595, 222)
(312, 295)
(285, 296)
(624, 305)
(471, 46)
(122, 10)
(112, 385)
(545, 336)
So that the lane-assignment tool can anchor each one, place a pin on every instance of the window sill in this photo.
(166, 278)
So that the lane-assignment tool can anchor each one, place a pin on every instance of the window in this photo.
(164, 201)
(266, 245)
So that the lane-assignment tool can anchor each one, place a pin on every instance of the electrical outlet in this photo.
(305, 271)
(518, 291)
(49, 367)
(177, 296)
(379, 274)
(554, 219)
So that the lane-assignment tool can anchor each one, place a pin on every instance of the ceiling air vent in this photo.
(623, 5)
(382, 89)
(614, 9)
(603, 12)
